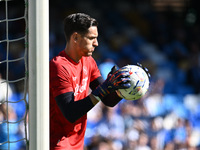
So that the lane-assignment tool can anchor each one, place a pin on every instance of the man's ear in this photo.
(75, 36)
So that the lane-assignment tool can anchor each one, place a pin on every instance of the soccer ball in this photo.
(139, 84)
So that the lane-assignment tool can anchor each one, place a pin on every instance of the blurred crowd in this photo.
(166, 42)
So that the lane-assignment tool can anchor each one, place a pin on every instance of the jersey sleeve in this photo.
(60, 79)
(95, 73)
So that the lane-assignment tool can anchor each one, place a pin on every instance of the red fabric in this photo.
(69, 76)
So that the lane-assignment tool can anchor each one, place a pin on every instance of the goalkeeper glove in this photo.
(117, 79)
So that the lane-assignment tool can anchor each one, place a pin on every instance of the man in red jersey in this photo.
(72, 74)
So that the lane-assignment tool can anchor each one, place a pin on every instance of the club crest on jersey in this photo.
(74, 78)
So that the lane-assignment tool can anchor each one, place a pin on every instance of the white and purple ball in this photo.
(139, 84)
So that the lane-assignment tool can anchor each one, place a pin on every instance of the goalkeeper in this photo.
(73, 72)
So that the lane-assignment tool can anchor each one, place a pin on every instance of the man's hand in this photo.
(117, 79)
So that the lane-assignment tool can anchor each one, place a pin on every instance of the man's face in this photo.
(88, 42)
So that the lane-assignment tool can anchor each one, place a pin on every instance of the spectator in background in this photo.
(143, 142)
(8, 119)
(112, 127)
(6, 90)
(9, 125)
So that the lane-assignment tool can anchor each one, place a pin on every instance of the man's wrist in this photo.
(101, 91)
(94, 99)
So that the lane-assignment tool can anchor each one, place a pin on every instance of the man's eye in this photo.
(91, 38)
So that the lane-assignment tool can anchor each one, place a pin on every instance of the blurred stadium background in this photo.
(164, 36)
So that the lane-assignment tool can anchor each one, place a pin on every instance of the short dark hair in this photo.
(78, 22)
